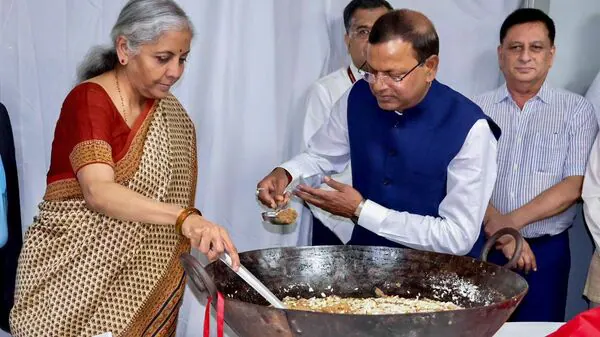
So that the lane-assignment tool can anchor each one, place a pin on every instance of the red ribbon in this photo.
(207, 318)
(220, 316)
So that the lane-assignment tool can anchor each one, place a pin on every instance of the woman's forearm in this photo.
(117, 201)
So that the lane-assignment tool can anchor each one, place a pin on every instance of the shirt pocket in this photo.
(549, 152)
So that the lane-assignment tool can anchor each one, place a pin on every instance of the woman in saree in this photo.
(103, 253)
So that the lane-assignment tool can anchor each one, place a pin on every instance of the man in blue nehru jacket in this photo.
(423, 155)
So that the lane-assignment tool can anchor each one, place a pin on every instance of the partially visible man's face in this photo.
(401, 81)
(357, 37)
(526, 54)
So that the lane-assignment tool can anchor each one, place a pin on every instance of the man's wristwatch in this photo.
(357, 211)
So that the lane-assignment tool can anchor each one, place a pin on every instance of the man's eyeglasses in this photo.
(388, 79)
(360, 33)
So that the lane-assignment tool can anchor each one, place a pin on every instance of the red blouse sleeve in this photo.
(84, 130)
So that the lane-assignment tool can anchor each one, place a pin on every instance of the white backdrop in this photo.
(244, 87)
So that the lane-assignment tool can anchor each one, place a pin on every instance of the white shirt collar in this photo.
(357, 74)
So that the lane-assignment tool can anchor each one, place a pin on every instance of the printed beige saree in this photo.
(82, 273)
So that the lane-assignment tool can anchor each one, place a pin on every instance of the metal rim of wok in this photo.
(202, 283)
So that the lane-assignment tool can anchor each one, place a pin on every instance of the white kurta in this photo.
(591, 200)
(320, 100)
(471, 179)
(591, 193)
(593, 95)
(591, 182)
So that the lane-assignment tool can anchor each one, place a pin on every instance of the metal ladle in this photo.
(314, 181)
(271, 216)
(200, 280)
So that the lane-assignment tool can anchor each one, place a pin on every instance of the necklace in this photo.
(121, 97)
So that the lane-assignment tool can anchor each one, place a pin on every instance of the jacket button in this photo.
(387, 181)
(392, 153)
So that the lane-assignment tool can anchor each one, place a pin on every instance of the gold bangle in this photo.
(183, 215)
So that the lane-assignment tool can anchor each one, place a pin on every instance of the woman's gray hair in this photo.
(140, 22)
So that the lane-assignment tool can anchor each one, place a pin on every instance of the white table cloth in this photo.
(527, 329)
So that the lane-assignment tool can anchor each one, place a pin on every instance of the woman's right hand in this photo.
(209, 238)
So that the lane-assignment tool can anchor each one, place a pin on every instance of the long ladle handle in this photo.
(254, 283)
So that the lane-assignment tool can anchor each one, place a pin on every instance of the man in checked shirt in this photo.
(546, 137)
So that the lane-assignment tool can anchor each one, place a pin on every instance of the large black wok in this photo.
(489, 293)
